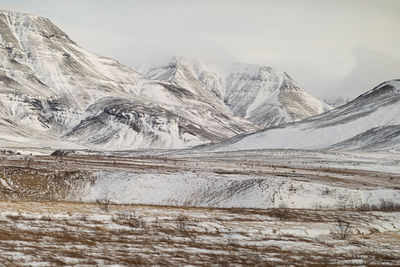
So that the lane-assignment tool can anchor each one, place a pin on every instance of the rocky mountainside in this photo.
(370, 122)
(264, 96)
(57, 94)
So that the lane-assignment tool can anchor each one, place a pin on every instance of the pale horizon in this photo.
(340, 48)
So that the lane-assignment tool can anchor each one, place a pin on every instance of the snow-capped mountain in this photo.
(370, 122)
(265, 96)
(55, 93)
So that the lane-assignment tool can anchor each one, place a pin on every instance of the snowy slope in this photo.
(379, 138)
(369, 122)
(188, 189)
(264, 96)
(253, 179)
(50, 84)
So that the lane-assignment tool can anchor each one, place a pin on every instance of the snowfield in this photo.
(252, 179)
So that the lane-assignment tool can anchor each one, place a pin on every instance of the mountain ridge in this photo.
(375, 112)
(48, 83)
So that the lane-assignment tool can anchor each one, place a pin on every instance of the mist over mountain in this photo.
(371, 66)
(260, 94)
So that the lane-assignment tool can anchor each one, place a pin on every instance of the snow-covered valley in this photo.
(228, 208)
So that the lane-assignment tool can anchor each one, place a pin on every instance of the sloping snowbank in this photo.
(212, 190)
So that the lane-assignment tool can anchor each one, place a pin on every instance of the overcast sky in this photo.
(338, 47)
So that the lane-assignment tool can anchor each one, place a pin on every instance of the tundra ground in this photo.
(48, 233)
(237, 208)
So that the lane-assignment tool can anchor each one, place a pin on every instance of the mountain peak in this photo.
(179, 60)
(183, 63)
(383, 93)
(393, 84)
(258, 93)
(19, 25)
(18, 14)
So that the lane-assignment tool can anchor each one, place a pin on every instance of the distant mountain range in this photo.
(56, 94)
(260, 94)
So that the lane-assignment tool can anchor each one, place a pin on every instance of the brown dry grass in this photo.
(157, 236)
(41, 184)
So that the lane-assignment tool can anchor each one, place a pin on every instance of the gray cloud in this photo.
(312, 40)
(371, 68)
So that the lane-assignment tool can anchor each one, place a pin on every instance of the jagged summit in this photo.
(261, 94)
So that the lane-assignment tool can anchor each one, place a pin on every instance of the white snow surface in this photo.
(252, 179)
(211, 190)
(370, 122)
